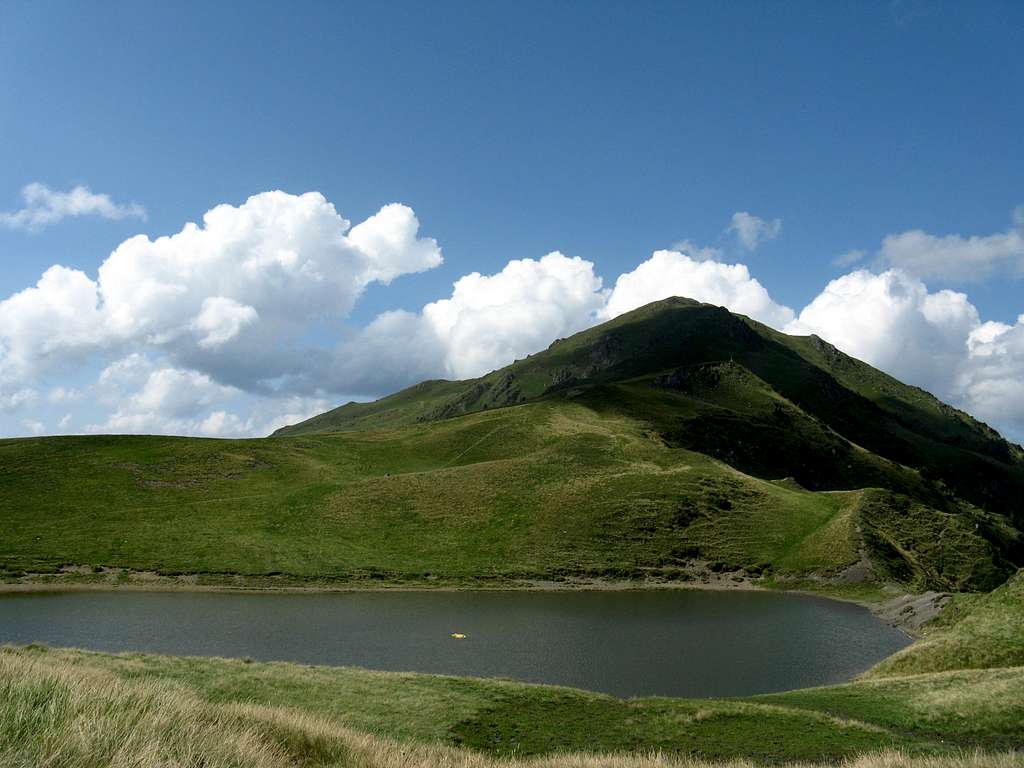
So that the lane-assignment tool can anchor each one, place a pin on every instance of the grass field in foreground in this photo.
(931, 714)
(66, 711)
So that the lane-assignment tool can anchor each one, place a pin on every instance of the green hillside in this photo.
(544, 490)
(796, 381)
(975, 632)
(673, 443)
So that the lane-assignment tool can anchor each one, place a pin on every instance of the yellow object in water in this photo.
(458, 636)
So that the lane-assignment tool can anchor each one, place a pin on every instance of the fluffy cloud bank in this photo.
(488, 321)
(955, 257)
(491, 320)
(672, 273)
(148, 397)
(43, 206)
(252, 277)
(935, 340)
(992, 386)
(208, 331)
(892, 321)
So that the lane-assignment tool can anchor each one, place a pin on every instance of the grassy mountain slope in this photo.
(976, 632)
(543, 490)
(797, 380)
(581, 492)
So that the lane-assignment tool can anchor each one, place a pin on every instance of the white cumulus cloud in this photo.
(992, 383)
(287, 257)
(935, 340)
(50, 324)
(43, 206)
(221, 319)
(242, 286)
(155, 398)
(893, 322)
(671, 273)
(152, 396)
(486, 323)
(491, 319)
(751, 231)
(955, 257)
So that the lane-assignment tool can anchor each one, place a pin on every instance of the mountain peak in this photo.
(721, 374)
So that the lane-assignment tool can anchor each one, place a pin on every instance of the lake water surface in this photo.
(633, 643)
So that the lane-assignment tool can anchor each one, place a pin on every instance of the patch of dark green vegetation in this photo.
(535, 722)
(925, 548)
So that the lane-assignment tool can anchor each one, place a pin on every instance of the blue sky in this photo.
(603, 131)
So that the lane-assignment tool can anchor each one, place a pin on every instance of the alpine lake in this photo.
(688, 643)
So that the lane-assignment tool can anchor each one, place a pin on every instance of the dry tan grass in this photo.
(57, 714)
